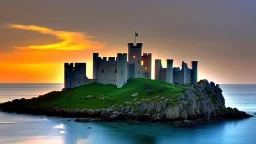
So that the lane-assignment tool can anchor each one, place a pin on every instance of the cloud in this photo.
(69, 40)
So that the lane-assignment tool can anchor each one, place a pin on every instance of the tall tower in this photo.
(147, 62)
(121, 69)
(184, 71)
(134, 56)
(68, 74)
(158, 66)
(95, 65)
(169, 71)
(194, 72)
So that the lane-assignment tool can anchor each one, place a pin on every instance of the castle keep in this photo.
(117, 70)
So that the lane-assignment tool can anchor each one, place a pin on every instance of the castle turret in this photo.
(134, 56)
(95, 65)
(146, 63)
(158, 66)
(169, 71)
(121, 69)
(194, 72)
(73, 73)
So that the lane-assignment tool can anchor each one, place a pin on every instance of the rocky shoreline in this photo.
(109, 115)
(199, 103)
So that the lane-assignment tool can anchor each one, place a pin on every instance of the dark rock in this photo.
(113, 117)
(85, 120)
(89, 128)
(212, 83)
(187, 122)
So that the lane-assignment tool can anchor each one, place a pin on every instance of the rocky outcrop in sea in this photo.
(200, 102)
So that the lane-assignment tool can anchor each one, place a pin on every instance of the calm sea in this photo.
(27, 129)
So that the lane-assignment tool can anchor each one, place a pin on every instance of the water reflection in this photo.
(36, 129)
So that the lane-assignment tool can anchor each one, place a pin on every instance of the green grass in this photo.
(98, 96)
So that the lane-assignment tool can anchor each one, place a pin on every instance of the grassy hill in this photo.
(98, 96)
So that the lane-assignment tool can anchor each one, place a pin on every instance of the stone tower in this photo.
(184, 70)
(68, 71)
(121, 69)
(72, 73)
(158, 67)
(194, 72)
(147, 62)
(95, 65)
(134, 56)
(169, 71)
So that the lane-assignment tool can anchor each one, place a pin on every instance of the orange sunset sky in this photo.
(37, 37)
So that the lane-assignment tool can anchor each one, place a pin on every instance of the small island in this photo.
(139, 100)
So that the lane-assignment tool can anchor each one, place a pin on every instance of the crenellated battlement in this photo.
(74, 66)
(68, 65)
(121, 54)
(137, 45)
(169, 60)
(147, 55)
(106, 59)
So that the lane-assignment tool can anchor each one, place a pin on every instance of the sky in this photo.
(38, 36)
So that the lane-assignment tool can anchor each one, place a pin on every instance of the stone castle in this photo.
(117, 70)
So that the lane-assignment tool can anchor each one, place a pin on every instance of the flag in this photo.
(136, 34)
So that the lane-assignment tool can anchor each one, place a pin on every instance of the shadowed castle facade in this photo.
(117, 70)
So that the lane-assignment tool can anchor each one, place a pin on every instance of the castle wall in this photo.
(182, 76)
(188, 76)
(147, 63)
(178, 76)
(130, 70)
(106, 71)
(162, 75)
(121, 70)
(76, 82)
(80, 70)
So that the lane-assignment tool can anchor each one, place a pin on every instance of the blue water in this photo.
(27, 129)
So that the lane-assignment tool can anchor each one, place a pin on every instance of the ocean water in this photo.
(12, 91)
(28, 129)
